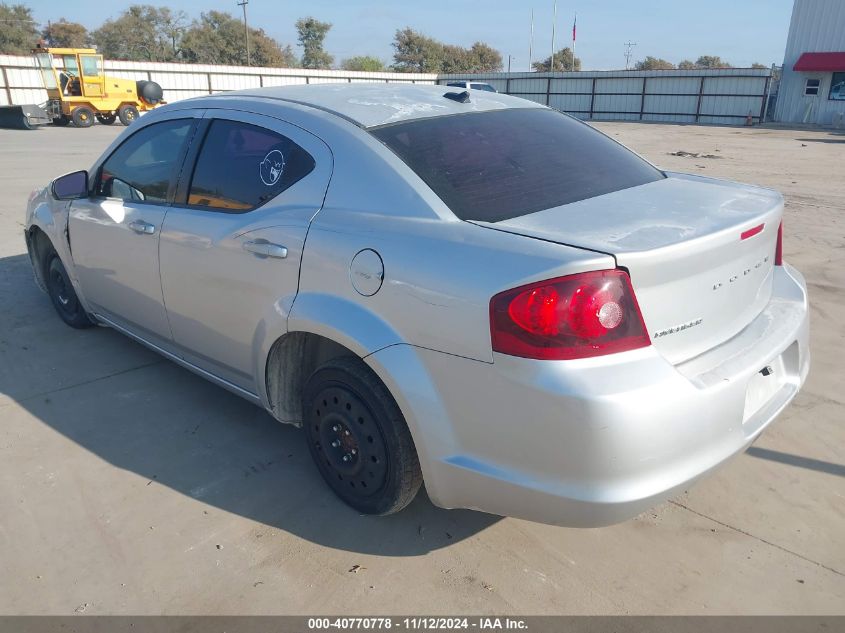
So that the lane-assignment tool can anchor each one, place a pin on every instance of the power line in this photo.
(243, 4)
(628, 52)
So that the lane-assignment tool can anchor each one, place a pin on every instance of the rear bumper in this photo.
(596, 441)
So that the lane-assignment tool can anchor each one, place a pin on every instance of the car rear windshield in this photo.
(502, 164)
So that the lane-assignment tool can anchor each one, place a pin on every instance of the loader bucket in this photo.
(23, 117)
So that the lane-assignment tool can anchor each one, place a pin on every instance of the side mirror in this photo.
(71, 186)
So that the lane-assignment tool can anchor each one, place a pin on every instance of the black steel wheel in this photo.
(64, 296)
(106, 119)
(127, 114)
(83, 116)
(359, 439)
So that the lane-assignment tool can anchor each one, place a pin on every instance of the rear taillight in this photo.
(779, 246)
(578, 316)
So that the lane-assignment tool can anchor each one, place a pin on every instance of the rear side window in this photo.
(143, 167)
(493, 166)
(242, 166)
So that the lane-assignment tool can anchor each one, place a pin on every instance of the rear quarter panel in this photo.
(439, 272)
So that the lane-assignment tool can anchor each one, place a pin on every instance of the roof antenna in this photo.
(460, 97)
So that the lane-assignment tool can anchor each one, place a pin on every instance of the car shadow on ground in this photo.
(174, 429)
(797, 461)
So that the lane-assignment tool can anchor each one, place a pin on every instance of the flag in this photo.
(574, 24)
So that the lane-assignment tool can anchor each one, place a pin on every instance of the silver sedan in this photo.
(459, 287)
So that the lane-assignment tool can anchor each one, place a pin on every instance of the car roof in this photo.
(370, 105)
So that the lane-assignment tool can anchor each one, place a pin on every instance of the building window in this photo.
(837, 87)
(812, 87)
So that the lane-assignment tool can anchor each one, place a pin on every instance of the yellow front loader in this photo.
(79, 92)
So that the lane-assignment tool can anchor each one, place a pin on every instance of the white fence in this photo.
(725, 96)
(20, 82)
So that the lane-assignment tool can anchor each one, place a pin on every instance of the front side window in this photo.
(811, 88)
(92, 65)
(837, 87)
(502, 164)
(143, 168)
(242, 166)
(71, 68)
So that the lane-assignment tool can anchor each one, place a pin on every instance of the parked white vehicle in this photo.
(472, 85)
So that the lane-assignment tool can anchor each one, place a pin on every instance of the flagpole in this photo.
(554, 21)
(531, 42)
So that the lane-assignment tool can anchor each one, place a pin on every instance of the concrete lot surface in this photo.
(129, 485)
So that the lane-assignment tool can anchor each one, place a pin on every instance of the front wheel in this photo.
(359, 439)
(83, 116)
(64, 296)
(127, 114)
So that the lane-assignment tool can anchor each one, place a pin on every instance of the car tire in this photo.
(63, 296)
(359, 439)
(127, 114)
(83, 116)
(106, 119)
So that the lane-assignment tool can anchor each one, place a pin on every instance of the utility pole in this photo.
(243, 4)
(531, 43)
(554, 21)
(509, 61)
(628, 51)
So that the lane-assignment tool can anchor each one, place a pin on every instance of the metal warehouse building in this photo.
(812, 89)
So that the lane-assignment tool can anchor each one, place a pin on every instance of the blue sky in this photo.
(741, 31)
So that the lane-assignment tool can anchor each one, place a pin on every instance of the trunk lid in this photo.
(698, 278)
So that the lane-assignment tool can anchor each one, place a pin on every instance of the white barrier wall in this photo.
(20, 82)
(725, 96)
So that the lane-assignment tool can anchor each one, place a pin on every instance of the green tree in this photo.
(18, 31)
(654, 63)
(563, 61)
(65, 34)
(758, 65)
(312, 32)
(687, 65)
(418, 53)
(455, 59)
(218, 38)
(171, 27)
(141, 33)
(363, 62)
(485, 58)
(711, 61)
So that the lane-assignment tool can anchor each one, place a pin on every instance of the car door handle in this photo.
(266, 249)
(139, 226)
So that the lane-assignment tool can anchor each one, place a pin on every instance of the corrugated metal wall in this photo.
(724, 96)
(817, 26)
(21, 83)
